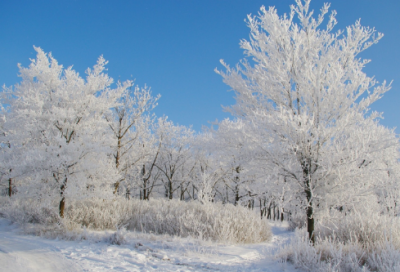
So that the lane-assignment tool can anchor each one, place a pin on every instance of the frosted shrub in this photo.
(225, 223)
(348, 243)
(100, 214)
(302, 253)
(208, 221)
(297, 221)
(24, 211)
(326, 255)
(385, 259)
(369, 230)
(118, 237)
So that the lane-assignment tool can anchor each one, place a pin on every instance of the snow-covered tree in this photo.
(143, 173)
(131, 123)
(234, 154)
(57, 128)
(5, 147)
(175, 161)
(207, 177)
(306, 101)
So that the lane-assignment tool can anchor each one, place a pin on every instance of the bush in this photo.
(326, 255)
(353, 243)
(29, 210)
(386, 258)
(368, 230)
(208, 221)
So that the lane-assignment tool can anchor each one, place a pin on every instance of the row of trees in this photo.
(71, 137)
(302, 140)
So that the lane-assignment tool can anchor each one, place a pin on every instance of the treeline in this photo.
(71, 138)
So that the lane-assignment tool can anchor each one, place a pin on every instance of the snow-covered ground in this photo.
(137, 252)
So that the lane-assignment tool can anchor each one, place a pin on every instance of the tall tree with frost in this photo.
(307, 100)
(56, 122)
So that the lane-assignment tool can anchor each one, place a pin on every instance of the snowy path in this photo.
(140, 253)
(28, 253)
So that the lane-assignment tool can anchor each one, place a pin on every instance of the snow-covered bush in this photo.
(100, 214)
(353, 243)
(326, 255)
(297, 221)
(208, 221)
(367, 229)
(28, 210)
(387, 258)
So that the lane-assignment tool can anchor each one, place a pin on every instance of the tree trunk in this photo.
(10, 192)
(10, 187)
(144, 183)
(182, 194)
(265, 208)
(310, 210)
(145, 190)
(166, 191)
(62, 206)
(62, 202)
(237, 180)
(237, 198)
(117, 159)
(170, 190)
(310, 218)
(250, 204)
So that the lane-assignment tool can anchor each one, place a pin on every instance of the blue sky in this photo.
(173, 46)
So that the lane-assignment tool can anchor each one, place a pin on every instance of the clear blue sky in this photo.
(173, 46)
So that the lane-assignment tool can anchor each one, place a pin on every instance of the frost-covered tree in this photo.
(131, 123)
(143, 173)
(56, 125)
(210, 169)
(175, 161)
(5, 150)
(306, 100)
(234, 153)
(244, 171)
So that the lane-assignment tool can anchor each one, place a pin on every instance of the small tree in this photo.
(306, 101)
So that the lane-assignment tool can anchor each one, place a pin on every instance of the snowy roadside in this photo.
(138, 252)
